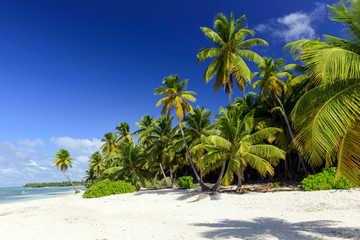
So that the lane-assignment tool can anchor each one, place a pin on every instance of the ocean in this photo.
(18, 194)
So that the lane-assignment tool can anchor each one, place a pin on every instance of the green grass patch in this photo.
(108, 187)
(186, 182)
(325, 181)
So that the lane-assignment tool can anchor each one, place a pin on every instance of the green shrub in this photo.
(325, 181)
(156, 183)
(186, 182)
(275, 184)
(108, 187)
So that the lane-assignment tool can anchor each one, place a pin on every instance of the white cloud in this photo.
(82, 158)
(82, 146)
(295, 26)
(34, 164)
(27, 142)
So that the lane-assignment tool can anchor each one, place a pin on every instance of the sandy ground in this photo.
(171, 214)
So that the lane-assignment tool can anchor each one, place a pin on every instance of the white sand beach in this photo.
(171, 214)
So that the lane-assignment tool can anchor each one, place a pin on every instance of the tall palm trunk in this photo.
(171, 176)
(76, 190)
(202, 185)
(217, 185)
(163, 173)
(302, 162)
(240, 178)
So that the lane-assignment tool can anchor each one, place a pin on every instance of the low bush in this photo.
(325, 181)
(275, 184)
(156, 183)
(186, 182)
(108, 187)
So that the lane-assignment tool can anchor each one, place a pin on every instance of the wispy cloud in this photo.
(295, 26)
(36, 165)
(31, 143)
(82, 146)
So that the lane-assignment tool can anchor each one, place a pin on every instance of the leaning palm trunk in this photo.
(76, 190)
(301, 160)
(163, 173)
(202, 185)
(217, 185)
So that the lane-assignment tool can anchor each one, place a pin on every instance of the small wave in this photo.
(23, 192)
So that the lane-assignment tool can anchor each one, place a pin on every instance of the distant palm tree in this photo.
(124, 133)
(109, 145)
(239, 147)
(63, 162)
(130, 165)
(163, 148)
(230, 49)
(147, 125)
(97, 163)
(176, 98)
(326, 118)
(270, 83)
(90, 176)
(198, 126)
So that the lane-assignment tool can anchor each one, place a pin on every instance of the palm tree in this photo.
(90, 176)
(176, 98)
(63, 162)
(124, 133)
(198, 126)
(270, 83)
(230, 50)
(326, 118)
(239, 147)
(109, 145)
(130, 166)
(147, 125)
(163, 148)
(97, 163)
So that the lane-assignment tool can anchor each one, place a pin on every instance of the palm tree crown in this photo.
(176, 97)
(63, 160)
(230, 49)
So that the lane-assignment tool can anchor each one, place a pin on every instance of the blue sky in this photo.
(70, 71)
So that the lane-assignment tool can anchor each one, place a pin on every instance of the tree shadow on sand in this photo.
(263, 228)
(182, 194)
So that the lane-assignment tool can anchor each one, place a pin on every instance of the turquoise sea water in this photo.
(12, 194)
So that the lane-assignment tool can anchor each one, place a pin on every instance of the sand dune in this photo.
(173, 214)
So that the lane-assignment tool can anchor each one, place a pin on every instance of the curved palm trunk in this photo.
(217, 185)
(202, 185)
(76, 190)
(163, 173)
(302, 162)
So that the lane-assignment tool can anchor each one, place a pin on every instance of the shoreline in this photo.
(173, 214)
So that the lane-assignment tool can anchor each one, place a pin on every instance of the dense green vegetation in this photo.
(186, 182)
(325, 180)
(54, 184)
(305, 117)
(108, 187)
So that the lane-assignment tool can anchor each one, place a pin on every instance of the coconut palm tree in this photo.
(270, 83)
(90, 176)
(130, 166)
(96, 163)
(176, 98)
(229, 52)
(109, 145)
(326, 118)
(198, 126)
(163, 148)
(147, 125)
(124, 133)
(239, 147)
(63, 162)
